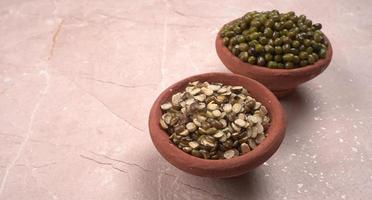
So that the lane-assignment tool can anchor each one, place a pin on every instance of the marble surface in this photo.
(77, 79)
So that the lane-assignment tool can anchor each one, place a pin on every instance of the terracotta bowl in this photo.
(220, 168)
(280, 81)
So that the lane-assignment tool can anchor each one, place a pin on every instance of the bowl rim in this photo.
(265, 70)
(262, 152)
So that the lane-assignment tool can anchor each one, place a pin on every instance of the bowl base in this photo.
(283, 93)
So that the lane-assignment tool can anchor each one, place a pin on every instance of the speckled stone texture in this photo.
(77, 79)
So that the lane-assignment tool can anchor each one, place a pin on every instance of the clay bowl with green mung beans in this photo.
(217, 124)
(280, 50)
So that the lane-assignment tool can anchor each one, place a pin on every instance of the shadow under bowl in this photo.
(220, 168)
(280, 81)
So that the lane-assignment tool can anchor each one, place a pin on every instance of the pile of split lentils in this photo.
(214, 121)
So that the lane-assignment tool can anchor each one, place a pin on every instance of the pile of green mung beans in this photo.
(275, 40)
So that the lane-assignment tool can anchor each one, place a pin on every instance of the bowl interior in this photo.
(185, 161)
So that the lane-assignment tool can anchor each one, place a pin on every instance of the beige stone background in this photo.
(77, 79)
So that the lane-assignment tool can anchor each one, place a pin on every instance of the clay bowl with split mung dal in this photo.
(280, 81)
(223, 168)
